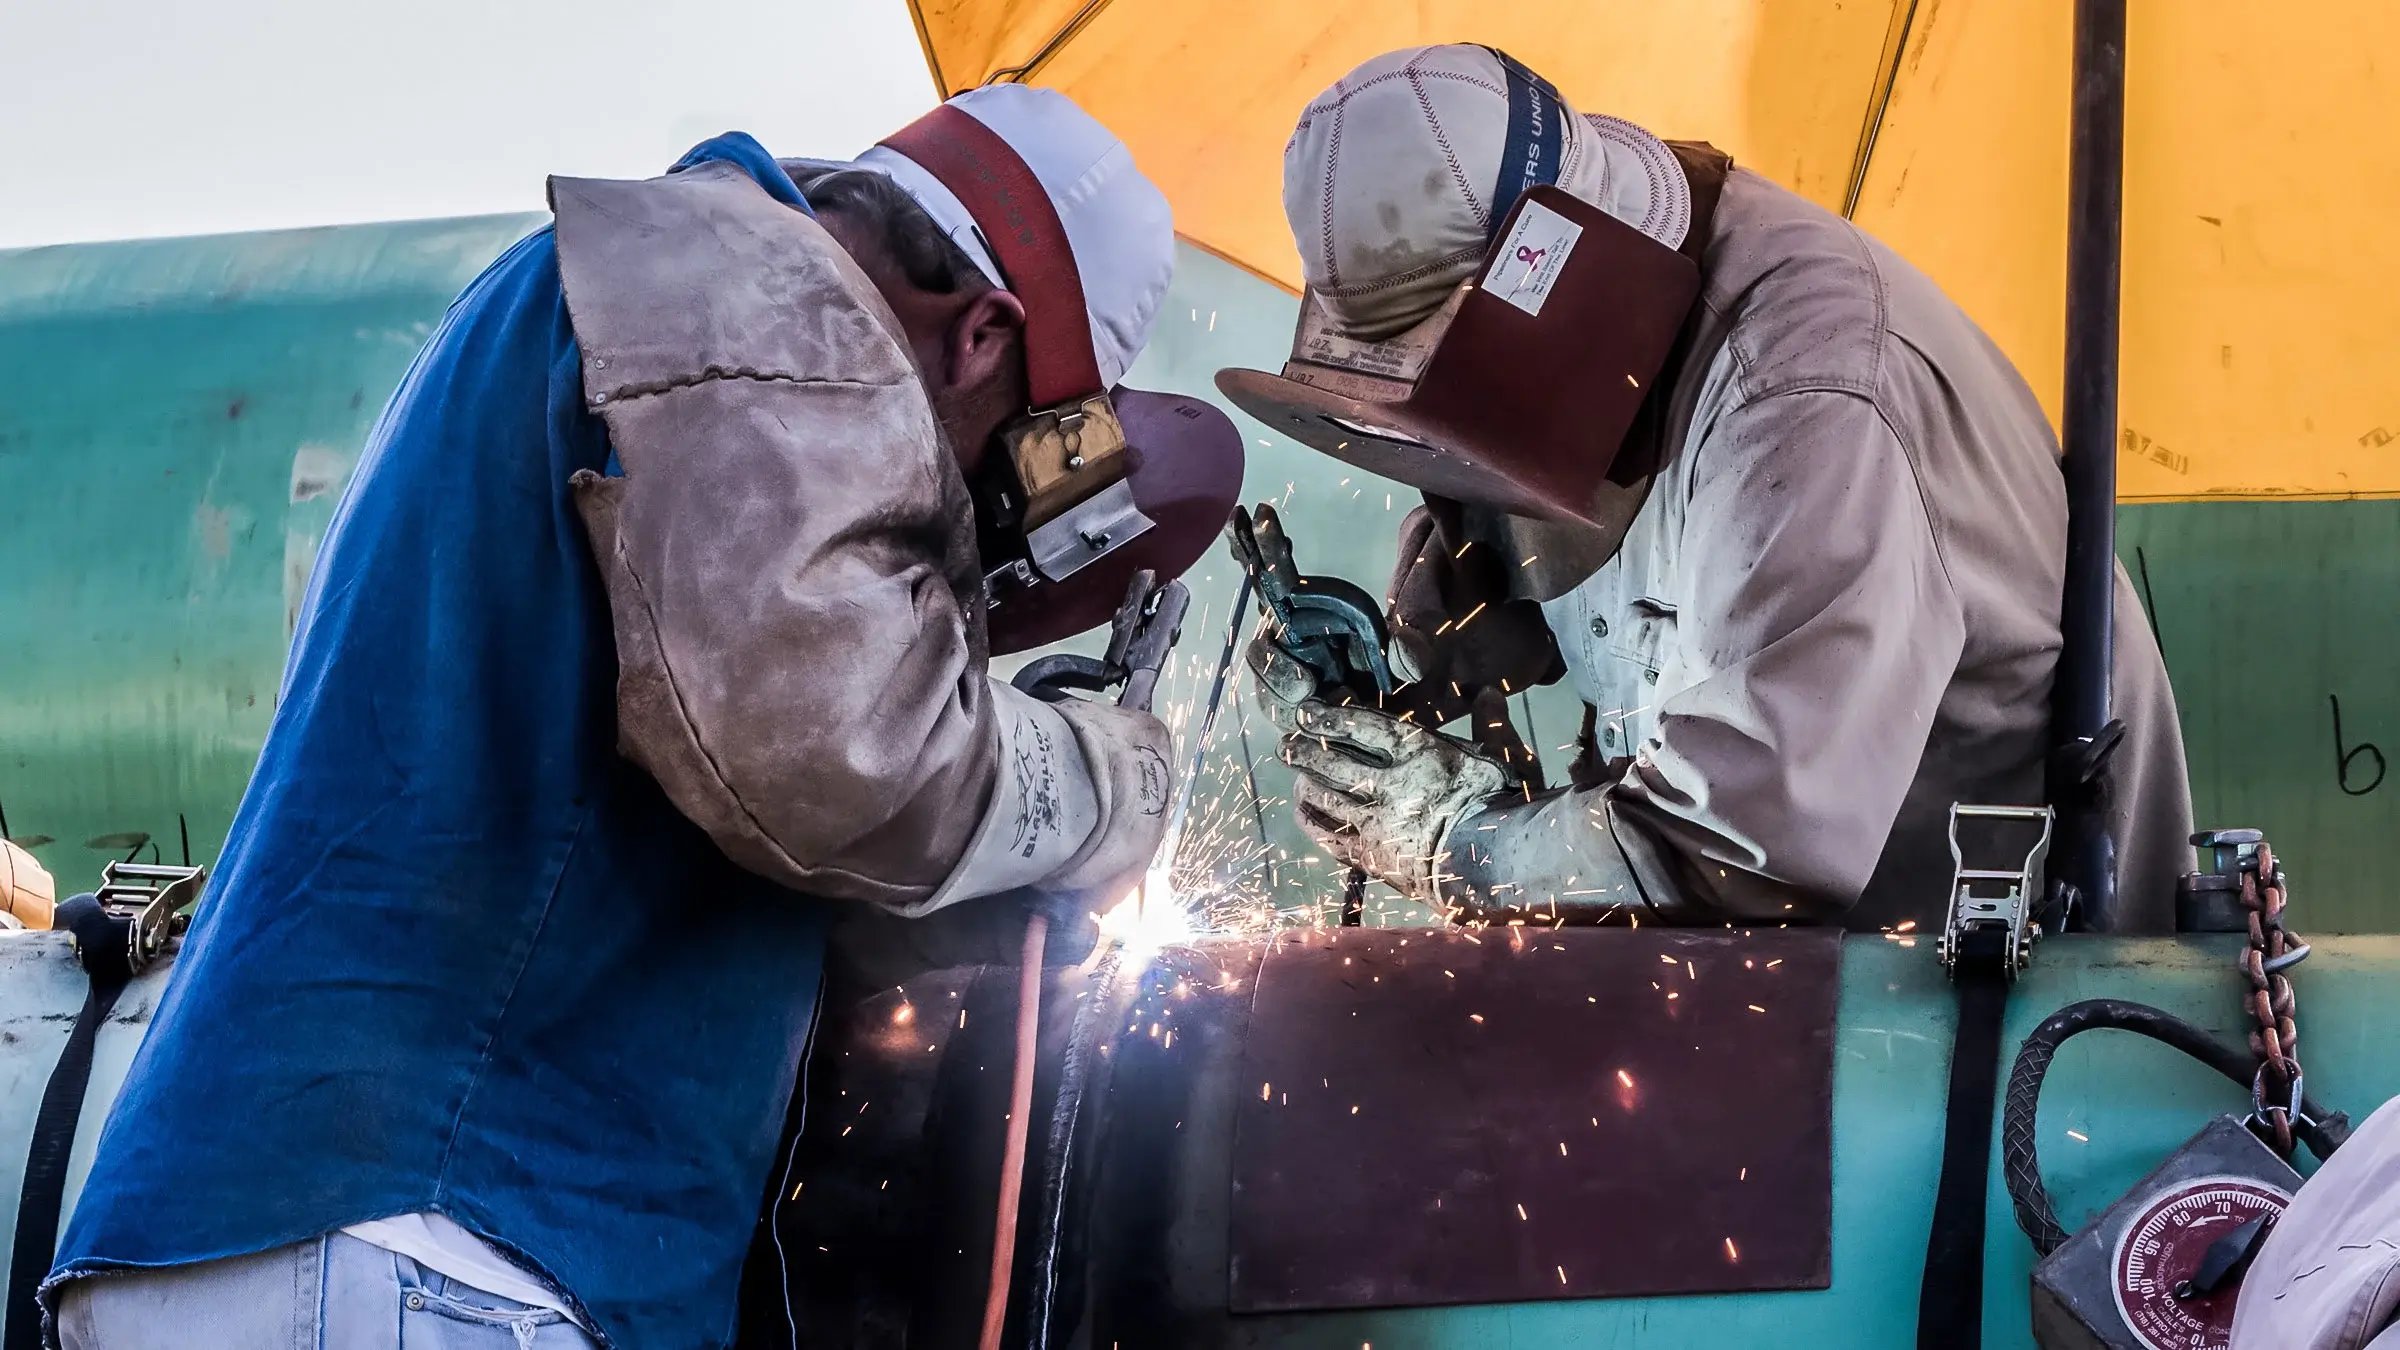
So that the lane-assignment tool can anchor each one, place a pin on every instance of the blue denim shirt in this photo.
(458, 955)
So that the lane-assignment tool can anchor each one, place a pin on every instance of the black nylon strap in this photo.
(1950, 1302)
(100, 941)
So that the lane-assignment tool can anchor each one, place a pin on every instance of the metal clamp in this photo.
(1973, 919)
(145, 898)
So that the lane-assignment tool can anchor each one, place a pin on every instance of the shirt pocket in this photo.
(1643, 634)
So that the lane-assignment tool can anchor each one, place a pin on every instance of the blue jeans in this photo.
(329, 1293)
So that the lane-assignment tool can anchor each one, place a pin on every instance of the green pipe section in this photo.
(179, 419)
(2127, 1101)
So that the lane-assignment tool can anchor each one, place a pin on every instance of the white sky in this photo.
(124, 118)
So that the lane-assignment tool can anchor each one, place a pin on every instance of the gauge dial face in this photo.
(2166, 1244)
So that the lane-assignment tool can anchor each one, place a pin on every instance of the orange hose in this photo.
(1020, 1118)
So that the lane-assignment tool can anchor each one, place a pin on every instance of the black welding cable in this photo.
(2021, 1166)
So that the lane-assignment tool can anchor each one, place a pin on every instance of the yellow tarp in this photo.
(2261, 325)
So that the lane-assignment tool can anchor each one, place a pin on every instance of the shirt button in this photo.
(1599, 626)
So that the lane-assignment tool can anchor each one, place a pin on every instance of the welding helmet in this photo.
(1096, 480)
(1548, 252)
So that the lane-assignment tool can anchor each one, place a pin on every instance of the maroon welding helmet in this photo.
(1091, 484)
(1518, 393)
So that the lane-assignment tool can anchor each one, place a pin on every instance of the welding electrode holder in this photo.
(1140, 638)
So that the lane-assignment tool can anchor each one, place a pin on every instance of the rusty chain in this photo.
(2272, 950)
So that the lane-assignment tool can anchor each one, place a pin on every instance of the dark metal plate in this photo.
(1443, 1116)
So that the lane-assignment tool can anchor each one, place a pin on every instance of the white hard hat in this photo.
(1389, 180)
(1117, 222)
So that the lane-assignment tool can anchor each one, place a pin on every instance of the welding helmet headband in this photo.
(1518, 393)
(1090, 484)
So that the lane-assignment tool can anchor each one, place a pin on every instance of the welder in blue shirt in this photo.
(652, 634)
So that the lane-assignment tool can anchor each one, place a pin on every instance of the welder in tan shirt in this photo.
(1834, 614)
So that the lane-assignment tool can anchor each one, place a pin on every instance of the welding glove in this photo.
(1452, 617)
(1384, 795)
(1080, 801)
(1284, 685)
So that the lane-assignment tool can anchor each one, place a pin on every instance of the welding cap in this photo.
(1494, 280)
(1095, 481)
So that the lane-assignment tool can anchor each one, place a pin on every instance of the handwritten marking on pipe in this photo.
(2345, 754)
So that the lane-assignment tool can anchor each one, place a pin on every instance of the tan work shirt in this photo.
(1838, 611)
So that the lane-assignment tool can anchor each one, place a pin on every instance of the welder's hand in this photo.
(873, 948)
(1451, 615)
(1382, 795)
(1283, 683)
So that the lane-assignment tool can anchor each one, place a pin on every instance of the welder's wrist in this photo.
(1542, 860)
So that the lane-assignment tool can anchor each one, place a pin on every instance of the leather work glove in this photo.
(1451, 614)
(1125, 754)
(1285, 685)
(1383, 795)
(1131, 755)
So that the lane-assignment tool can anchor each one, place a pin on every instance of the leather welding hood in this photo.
(1517, 395)
(1092, 484)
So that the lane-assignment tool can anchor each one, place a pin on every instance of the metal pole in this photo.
(2095, 199)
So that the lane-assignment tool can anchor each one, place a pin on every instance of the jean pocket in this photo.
(446, 1315)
